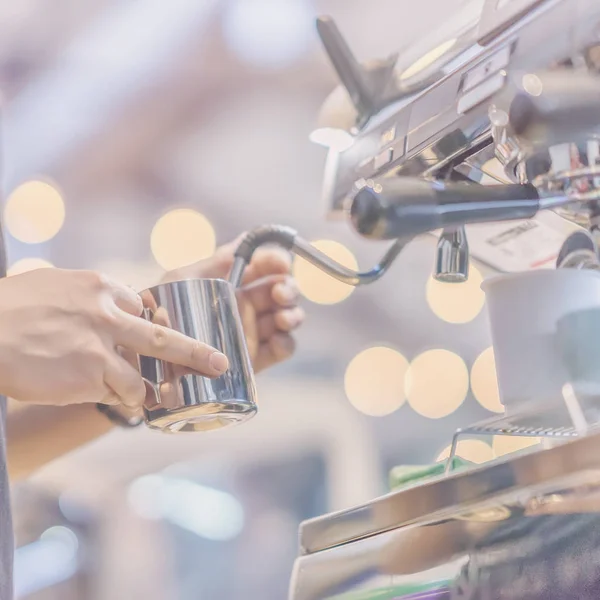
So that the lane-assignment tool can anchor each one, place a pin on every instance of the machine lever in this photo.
(403, 207)
(370, 87)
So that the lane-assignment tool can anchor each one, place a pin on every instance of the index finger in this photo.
(157, 341)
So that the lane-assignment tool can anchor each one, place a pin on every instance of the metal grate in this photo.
(556, 422)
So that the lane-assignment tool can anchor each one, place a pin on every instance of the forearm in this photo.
(37, 435)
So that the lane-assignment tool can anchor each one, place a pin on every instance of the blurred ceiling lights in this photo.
(476, 451)
(456, 302)
(427, 60)
(106, 68)
(437, 383)
(28, 264)
(316, 285)
(269, 33)
(181, 237)
(207, 512)
(34, 212)
(484, 382)
(374, 381)
(507, 444)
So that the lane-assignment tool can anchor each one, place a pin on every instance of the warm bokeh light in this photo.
(427, 60)
(34, 212)
(181, 237)
(507, 444)
(476, 451)
(437, 383)
(484, 382)
(316, 285)
(28, 264)
(374, 381)
(456, 302)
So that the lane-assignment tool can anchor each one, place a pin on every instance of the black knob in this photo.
(398, 207)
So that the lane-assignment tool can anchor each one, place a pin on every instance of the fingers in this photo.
(286, 293)
(279, 348)
(126, 298)
(148, 300)
(110, 398)
(125, 381)
(158, 314)
(271, 293)
(170, 395)
(266, 262)
(150, 339)
(161, 317)
(285, 321)
(129, 356)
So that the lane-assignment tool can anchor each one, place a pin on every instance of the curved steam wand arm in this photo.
(290, 240)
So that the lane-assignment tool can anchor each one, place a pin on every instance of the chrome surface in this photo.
(288, 238)
(206, 310)
(438, 128)
(522, 527)
(572, 169)
(579, 251)
(452, 257)
(237, 271)
(323, 262)
(517, 104)
(375, 85)
(553, 106)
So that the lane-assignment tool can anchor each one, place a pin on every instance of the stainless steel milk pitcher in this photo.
(206, 310)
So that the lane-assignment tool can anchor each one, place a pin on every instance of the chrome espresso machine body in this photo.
(512, 102)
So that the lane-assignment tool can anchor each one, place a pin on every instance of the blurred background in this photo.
(137, 136)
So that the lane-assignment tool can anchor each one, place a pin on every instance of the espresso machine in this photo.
(491, 142)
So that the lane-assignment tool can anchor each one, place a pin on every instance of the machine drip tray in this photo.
(563, 479)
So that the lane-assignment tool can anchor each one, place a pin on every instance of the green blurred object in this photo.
(394, 592)
(405, 475)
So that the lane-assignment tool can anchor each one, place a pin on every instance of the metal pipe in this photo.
(289, 239)
(326, 264)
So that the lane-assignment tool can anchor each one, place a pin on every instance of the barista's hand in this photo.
(268, 300)
(60, 336)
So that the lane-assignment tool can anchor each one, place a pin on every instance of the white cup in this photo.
(524, 311)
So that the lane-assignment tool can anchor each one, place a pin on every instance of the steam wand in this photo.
(400, 209)
(287, 238)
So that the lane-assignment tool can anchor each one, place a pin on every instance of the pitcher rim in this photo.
(186, 280)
